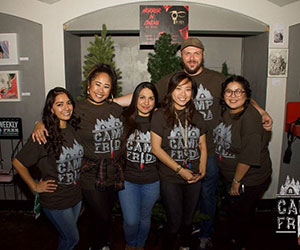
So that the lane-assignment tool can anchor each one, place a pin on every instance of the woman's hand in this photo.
(234, 190)
(48, 186)
(39, 133)
(188, 175)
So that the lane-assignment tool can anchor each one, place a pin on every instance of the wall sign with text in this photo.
(158, 19)
(288, 208)
(10, 128)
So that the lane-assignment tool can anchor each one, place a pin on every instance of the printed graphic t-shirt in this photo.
(243, 139)
(100, 133)
(141, 163)
(65, 170)
(173, 143)
(207, 101)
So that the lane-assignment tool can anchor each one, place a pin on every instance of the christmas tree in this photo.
(165, 59)
(101, 51)
(225, 70)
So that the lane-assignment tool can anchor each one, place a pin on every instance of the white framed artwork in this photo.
(278, 63)
(10, 86)
(8, 49)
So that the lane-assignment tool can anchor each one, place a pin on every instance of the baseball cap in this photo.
(195, 42)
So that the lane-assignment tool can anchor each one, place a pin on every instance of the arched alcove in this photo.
(227, 36)
(32, 86)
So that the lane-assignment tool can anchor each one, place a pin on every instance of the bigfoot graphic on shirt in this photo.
(107, 135)
(203, 103)
(176, 143)
(139, 148)
(69, 163)
(222, 139)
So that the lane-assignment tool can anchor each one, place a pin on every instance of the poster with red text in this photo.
(158, 19)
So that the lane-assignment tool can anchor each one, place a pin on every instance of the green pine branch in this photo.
(164, 60)
(101, 50)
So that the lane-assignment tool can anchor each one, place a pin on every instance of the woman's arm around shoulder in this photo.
(39, 133)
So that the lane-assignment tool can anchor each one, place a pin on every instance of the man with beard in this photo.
(207, 102)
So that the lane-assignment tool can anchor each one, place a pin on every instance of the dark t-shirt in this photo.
(65, 170)
(173, 143)
(141, 164)
(100, 134)
(207, 101)
(243, 139)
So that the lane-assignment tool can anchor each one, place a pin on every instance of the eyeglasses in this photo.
(237, 92)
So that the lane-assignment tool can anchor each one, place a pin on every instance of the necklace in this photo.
(184, 133)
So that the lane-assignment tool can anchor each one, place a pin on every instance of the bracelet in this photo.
(178, 169)
(236, 181)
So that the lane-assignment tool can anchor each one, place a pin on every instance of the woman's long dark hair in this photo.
(130, 114)
(168, 107)
(245, 85)
(51, 122)
(104, 68)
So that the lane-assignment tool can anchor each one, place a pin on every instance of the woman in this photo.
(100, 133)
(244, 161)
(178, 141)
(141, 175)
(59, 162)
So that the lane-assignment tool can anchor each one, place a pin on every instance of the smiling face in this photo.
(182, 94)
(145, 102)
(99, 88)
(235, 97)
(62, 108)
(192, 58)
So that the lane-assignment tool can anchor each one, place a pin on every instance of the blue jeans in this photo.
(137, 201)
(207, 201)
(65, 221)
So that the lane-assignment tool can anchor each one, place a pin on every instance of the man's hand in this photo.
(267, 121)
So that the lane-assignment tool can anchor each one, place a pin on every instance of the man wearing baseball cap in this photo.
(207, 102)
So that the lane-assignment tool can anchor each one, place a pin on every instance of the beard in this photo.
(189, 70)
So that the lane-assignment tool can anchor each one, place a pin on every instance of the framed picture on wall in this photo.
(8, 49)
(9, 86)
(158, 19)
(278, 63)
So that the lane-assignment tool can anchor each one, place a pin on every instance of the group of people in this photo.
(168, 142)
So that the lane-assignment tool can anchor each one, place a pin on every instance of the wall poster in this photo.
(9, 86)
(158, 19)
(8, 49)
(278, 63)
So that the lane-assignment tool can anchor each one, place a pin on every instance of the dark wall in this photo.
(31, 75)
(255, 61)
(73, 63)
(292, 95)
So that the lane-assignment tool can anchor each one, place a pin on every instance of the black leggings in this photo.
(180, 201)
(242, 211)
(100, 204)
